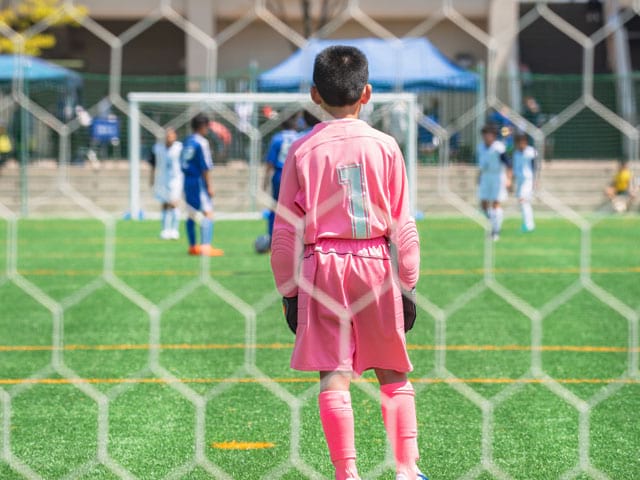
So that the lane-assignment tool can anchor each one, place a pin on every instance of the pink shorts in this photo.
(349, 309)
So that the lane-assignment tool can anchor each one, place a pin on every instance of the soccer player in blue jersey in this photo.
(198, 190)
(524, 168)
(276, 155)
(495, 177)
(310, 121)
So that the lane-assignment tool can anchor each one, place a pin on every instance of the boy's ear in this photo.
(315, 95)
(366, 94)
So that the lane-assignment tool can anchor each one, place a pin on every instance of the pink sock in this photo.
(337, 421)
(399, 415)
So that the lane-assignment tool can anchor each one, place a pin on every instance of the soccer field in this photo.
(121, 356)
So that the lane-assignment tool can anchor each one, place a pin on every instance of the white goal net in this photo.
(36, 180)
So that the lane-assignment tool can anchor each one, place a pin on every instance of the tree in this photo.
(327, 10)
(22, 16)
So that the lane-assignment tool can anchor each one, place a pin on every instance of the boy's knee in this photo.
(335, 381)
(390, 376)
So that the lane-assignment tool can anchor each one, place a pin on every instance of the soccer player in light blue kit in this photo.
(196, 162)
(495, 177)
(276, 155)
(524, 167)
(167, 178)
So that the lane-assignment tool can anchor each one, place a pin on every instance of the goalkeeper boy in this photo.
(343, 209)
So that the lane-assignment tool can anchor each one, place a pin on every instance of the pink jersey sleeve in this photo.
(404, 234)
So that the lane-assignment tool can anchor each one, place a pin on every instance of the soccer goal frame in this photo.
(220, 102)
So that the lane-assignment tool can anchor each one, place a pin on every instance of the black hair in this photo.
(309, 118)
(520, 136)
(290, 123)
(340, 74)
(199, 121)
(489, 128)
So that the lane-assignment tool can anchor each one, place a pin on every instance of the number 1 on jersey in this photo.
(351, 177)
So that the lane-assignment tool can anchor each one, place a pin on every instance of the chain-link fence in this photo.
(586, 136)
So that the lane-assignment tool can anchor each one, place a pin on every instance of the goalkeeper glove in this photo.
(290, 308)
(409, 308)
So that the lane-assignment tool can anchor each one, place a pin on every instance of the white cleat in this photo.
(165, 235)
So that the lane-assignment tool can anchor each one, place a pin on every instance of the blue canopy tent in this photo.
(54, 88)
(35, 69)
(409, 64)
(50, 85)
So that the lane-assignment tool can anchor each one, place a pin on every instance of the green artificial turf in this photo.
(182, 361)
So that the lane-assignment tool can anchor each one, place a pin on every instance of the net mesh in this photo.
(583, 104)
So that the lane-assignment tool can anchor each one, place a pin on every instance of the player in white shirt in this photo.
(168, 182)
(495, 177)
(524, 168)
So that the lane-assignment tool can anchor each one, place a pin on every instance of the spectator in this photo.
(6, 146)
(622, 190)
(531, 111)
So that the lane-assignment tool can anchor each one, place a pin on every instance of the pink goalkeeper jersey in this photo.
(344, 180)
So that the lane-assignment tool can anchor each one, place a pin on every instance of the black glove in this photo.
(409, 308)
(290, 307)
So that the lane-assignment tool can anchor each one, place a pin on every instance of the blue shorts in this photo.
(492, 188)
(275, 184)
(196, 196)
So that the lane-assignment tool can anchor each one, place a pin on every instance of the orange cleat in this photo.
(209, 251)
(194, 250)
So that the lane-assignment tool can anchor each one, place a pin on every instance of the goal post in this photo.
(151, 112)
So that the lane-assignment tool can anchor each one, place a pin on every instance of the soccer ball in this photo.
(262, 243)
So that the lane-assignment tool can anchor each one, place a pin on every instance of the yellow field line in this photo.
(284, 346)
(163, 381)
(540, 270)
(144, 346)
(426, 272)
(235, 445)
